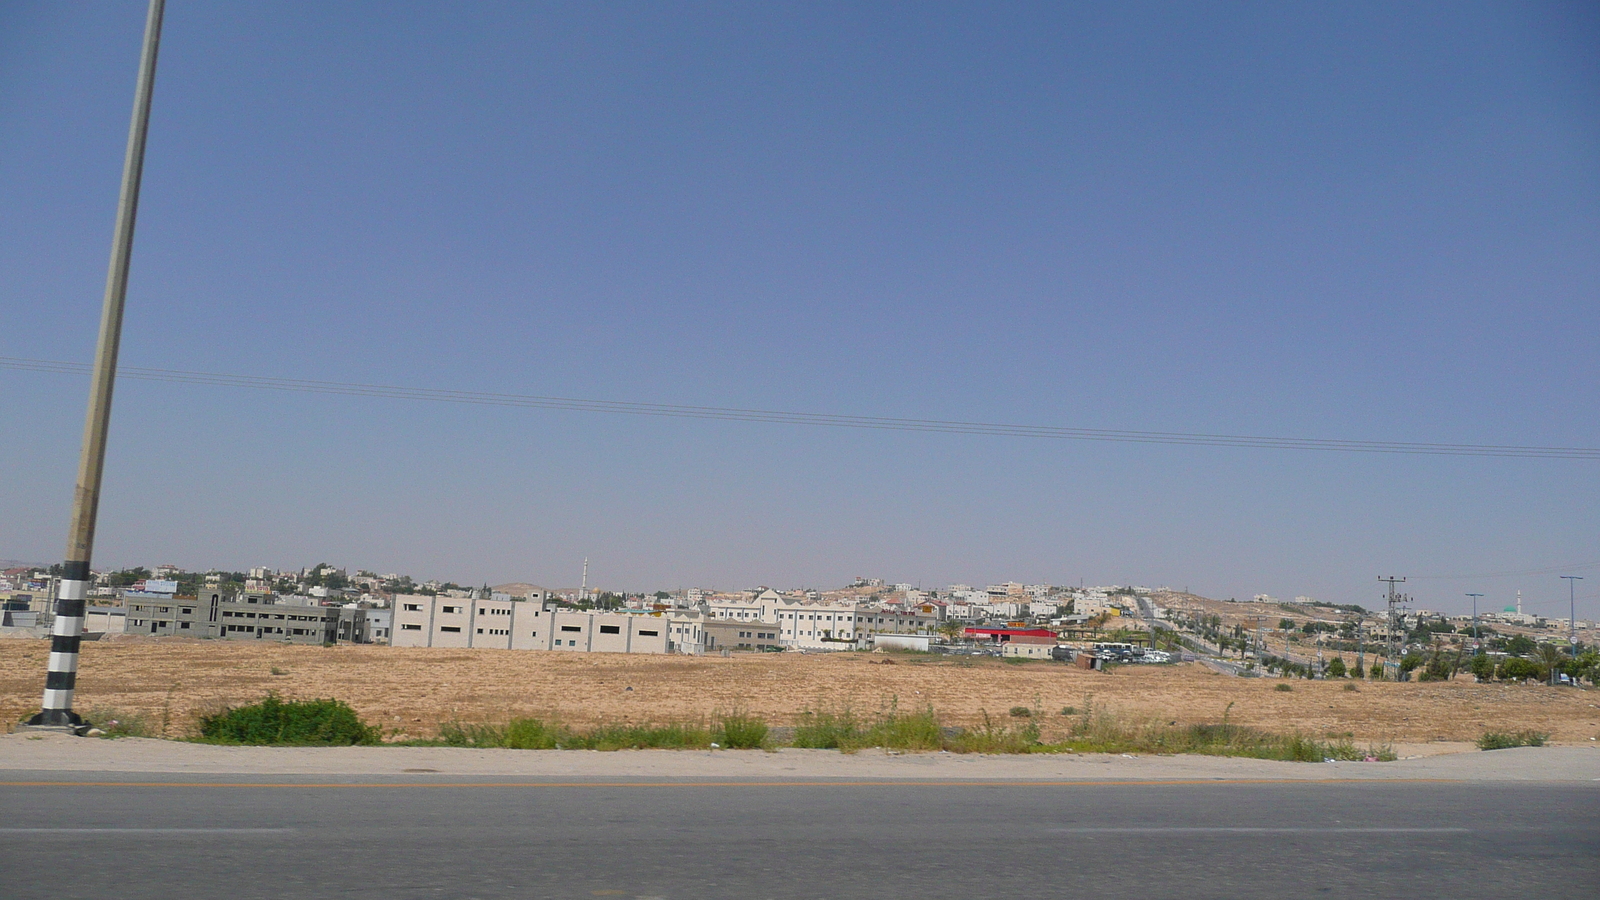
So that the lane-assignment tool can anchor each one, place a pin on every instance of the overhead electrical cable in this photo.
(1548, 570)
(939, 426)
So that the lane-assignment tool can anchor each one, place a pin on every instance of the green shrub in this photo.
(1501, 740)
(288, 722)
(1021, 712)
(1283, 687)
(742, 731)
(1336, 668)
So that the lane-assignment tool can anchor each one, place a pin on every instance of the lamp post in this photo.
(61, 674)
(1572, 621)
(1475, 640)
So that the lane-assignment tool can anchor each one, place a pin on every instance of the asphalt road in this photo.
(443, 837)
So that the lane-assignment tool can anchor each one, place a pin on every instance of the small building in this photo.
(734, 635)
(1027, 646)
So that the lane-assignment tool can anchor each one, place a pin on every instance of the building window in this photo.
(610, 629)
(454, 628)
(571, 628)
(412, 607)
(643, 633)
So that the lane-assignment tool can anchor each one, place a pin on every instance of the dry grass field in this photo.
(410, 692)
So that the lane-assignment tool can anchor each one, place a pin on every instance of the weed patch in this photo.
(117, 723)
(1503, 740)
(742, 731)
(536, 734)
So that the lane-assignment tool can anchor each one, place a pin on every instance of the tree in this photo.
(1520, 645)
(1550, 660)
(1515, 668)
(129, 576)
(1410, 661)
(1377, 671)
(1285, 624)
(1336, 668)
(1482, 667)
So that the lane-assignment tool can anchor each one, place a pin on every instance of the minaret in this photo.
(583, 592)
(1519, 601)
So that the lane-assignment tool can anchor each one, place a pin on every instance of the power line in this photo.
(734, 414)
(1548, 570)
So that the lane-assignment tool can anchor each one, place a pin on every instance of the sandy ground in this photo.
(48, 757)
(410, 692)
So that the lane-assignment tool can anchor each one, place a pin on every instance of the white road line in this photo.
(1182, 829)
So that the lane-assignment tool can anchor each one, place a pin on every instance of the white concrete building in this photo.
(502, 623)
(1043, 608)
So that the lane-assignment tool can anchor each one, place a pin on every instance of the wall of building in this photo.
(500, 623)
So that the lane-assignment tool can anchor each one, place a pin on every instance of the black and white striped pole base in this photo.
(66, 635)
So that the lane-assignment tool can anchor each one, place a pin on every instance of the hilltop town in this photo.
(1089, 626)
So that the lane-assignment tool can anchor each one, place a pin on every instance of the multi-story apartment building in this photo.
(502, 623)
(249, 616)
(824, 624)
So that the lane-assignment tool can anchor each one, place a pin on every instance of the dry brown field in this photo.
(410, 692)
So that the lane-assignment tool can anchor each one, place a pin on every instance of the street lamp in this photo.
(1572, 621)
(1475, 640)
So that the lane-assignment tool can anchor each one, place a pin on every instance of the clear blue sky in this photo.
(1318, 220)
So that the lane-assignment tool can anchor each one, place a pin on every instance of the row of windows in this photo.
(279, 617)
(453, 629)
(157, 623)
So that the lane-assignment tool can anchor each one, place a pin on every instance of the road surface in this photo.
(422, 835)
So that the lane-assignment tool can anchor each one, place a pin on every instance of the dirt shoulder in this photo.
(56, 756)
(411, 692)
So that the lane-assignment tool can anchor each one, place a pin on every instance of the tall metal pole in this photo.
(62, 670)
(1572, 623)
(1475, 639)
(1361, 649)
(1392, 664)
